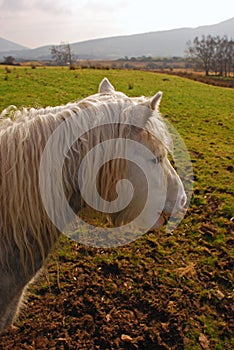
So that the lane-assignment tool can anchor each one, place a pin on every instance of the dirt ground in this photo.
(154, 294)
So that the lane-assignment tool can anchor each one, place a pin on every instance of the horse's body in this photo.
(27, 233)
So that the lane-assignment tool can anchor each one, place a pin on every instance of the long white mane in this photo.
(23, 136)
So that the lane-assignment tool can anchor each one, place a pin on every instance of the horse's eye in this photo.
(157, 160)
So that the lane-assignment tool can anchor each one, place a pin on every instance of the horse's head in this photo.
(156, 185)
(114, 151)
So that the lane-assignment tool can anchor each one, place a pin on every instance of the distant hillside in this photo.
(157, 44)
(167, 43)
(7, 45)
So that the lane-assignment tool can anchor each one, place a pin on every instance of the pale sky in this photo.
(36, 23)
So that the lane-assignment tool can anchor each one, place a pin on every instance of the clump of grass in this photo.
(72, 67)
(7, 70)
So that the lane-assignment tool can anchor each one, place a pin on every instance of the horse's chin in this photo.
(162, 220)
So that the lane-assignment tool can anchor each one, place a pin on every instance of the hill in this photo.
(7, 45)
(157, 44)
(167, 43)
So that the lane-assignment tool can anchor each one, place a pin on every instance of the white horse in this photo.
(110, 122)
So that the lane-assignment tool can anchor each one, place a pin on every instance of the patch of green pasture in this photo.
(203, 115)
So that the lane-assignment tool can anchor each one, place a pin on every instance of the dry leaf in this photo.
(188, 270)
(204, 342)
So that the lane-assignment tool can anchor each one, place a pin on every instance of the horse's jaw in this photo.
(160, 222)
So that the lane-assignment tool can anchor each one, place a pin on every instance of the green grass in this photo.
(202, 114)
(204, 117)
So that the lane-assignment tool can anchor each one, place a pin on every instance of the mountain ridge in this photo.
(164, 43)
(9, 45)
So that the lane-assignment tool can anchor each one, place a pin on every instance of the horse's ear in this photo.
(105, 87)
(155, 100)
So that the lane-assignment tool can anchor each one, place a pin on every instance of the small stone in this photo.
(41, 342)
(219, 295)
(108, 318)
(125, 337)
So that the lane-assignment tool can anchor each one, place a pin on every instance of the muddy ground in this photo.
(164, 291)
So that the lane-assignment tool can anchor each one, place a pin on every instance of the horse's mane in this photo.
(23, 136)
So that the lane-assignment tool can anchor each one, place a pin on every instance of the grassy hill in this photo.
(164, 291)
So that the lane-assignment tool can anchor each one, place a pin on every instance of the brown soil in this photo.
(154, 294)
(210, 80)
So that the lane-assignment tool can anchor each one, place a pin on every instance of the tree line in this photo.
(213, 53)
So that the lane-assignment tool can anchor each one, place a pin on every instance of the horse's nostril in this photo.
(183, 201)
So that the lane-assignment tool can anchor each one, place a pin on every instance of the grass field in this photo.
(163, 291)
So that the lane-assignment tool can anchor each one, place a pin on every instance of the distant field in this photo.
(164, 291)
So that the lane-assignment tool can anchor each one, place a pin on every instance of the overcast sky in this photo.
(35, 23)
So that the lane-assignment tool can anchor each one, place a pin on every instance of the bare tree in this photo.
(231, 55)
(202, 50)
(228, 56)
(9, 60)
(213, 53)
(62, 54)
